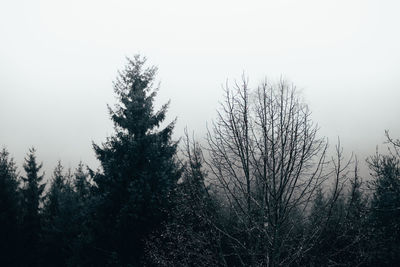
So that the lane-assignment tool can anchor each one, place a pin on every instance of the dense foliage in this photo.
(263, 191)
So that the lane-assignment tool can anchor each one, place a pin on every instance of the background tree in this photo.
(356, 232)
(53, 196)
(9, 210)
(32, 200)
(61, 220)
(188, 238)
(82, 183)
(385, 206)
(336, 218)
(139, 170)
(81, 218)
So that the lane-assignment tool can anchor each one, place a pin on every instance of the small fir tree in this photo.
(9, 209)
(32, 197)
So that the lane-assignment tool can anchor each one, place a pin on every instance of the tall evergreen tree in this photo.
(32, 197)
(139, 170)
(9, 209)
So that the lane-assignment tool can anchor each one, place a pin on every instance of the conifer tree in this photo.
(356, 231)
(385, 209)
(81, 182)
(139, 170)
(189, 237)
(85, 204)
(61, 219)
(32, 197)
(55, 191)
(9, 209)
(52, 234)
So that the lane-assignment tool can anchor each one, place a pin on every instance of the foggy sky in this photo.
(58, 60)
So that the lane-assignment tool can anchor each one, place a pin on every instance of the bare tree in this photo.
(267, 161)
(395, 144)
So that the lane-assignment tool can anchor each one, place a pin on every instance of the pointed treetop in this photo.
(31, 167)
(134, 114)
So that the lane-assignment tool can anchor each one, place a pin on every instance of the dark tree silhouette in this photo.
(81, 182)
(264, 193)
(60, 219)
(32, 199)
(385, 208)
(189, 238)
(139, 170)
(53, 196)
(9, 209)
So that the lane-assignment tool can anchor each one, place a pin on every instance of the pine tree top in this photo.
(134, 114)
(32, 179)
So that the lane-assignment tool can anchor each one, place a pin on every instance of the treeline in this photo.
(262, 191)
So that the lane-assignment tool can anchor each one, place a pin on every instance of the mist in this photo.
(285, 149)
(59, 59)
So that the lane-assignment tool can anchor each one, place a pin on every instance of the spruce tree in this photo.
(85, 204)
(385, 209)
(81, 183)
(62, 221)
(356, 221)
(139, 170)
(9, 209)
(32, 197)
(52, 234)
(55, 191)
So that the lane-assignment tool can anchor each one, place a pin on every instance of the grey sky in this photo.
(58, 60)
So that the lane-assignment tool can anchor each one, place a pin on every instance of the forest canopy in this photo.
(261, 191)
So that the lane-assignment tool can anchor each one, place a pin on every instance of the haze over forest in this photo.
(59, 58)
(215, 133)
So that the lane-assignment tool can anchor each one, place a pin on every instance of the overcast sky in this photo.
(58, 60)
